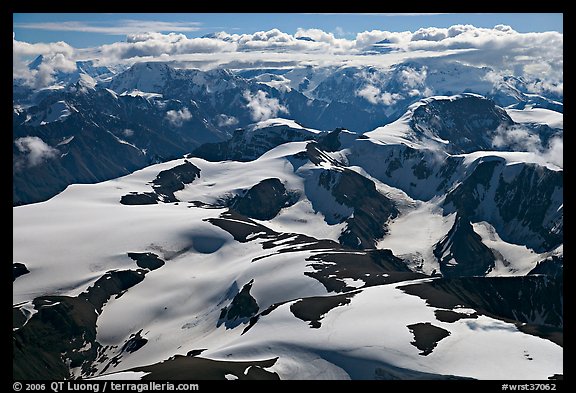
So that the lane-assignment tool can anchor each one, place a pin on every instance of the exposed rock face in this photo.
(165, 185)
(18, 269)
(247, 145)
(530, 299)
(373, 267)
(147, 260)
(64, 327)
(313, 309)
(370, 210)
(523, 202)
(241, 309)
(144, 198)
(331, 141)
(468, 122)
(427, 336)
(553, 267)
(197, 368)
(462, 253)
(264, 201)
(175, 179)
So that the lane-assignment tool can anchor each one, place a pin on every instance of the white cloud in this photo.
(369, 93)
(368, 38)
(262, 107)
(339, 31)
(412, 78)
(375, 96)
(128, 132)
(430, 34)
(538, 57)
(226, 121)
(317, 35)
(519, 138)
(159, 45)
(57, 56)
(555, 152)
(34, 151)
(178, 117)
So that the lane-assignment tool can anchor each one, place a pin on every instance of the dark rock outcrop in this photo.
(427, 336)
(174, 179)
(146, 260)
(242, 308)
(144, 198)
(196, 368)
(535, 300)
(313, 309)
(462, 253)
(264, 200)
(18, 269)
(63, 326)
(467, 122)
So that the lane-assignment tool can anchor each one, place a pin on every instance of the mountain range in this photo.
(332, 223)
(99, 123)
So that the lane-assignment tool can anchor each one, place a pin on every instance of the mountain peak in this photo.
(34, 64)
(149, 77)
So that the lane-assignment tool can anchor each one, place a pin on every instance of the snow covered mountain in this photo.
(287, 223)
(152, 112)
(256, 257)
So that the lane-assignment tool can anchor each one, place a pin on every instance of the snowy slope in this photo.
(238, 291)
(256, 257)
(538, 116)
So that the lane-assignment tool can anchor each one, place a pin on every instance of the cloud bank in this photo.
(538, 57)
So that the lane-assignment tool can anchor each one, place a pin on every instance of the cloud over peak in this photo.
(536, 56)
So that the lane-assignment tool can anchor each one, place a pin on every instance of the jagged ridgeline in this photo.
(181, 238)
(99, 123)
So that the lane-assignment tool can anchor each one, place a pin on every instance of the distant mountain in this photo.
(96, 134)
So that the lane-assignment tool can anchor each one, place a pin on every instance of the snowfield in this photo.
(337, 256)
(73, 239)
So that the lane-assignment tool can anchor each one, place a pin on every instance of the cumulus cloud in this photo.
(518, 138)
(320, 36)
(34, 151)
(226, 121)
(263, 107)
(58, 56)
(178, 117)
(143, 45)
(429, 34)
(412, 78)
(555, 152)
(537, 57)
(367, 38)
(375, 96)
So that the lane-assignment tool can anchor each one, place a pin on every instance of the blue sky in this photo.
(88, 30)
